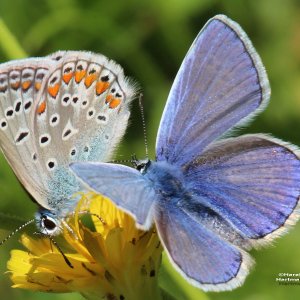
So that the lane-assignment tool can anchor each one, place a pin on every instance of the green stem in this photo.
(9, 44)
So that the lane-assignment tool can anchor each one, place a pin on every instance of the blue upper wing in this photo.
(220, 84)
(252, 182)
(125, 186)
(201, 256)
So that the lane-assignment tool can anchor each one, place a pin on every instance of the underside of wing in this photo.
(21, 84)
(69, 106)
(220, 84)
(81, 116)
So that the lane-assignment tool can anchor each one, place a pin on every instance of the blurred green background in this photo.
(149, 39)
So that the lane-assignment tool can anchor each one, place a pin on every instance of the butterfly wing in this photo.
(203, 258)
(81, 116)
(220, 84)
(243, 192)
(89, 92)
(251, 181)
(79, 111)
(125, 186)
(21, 82)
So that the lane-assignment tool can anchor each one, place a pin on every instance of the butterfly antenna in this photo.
(16, 231)
(120, 161)
(144, 124)
(134, 161)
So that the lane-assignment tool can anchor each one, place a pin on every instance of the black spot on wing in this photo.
(21, 136)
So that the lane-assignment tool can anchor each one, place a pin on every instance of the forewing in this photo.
(252, 182)
(220, 84)
(81, 116)
(21, 82)
(125, 186)
(201, 256)
(54, 110)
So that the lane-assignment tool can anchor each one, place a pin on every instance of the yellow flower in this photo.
(114, 261)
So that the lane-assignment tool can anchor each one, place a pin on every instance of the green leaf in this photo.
(9, 44)
(10, 223)
(166, 295)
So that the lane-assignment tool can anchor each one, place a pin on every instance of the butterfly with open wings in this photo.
(211, 198)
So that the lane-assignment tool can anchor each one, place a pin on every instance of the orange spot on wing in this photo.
(53, 90)
(109, 98)
(37, 86)
(90, 79)
(15, 85)
(42, 107)
(115, 102)
(101, 87)
(79, 75)
(26, 85)
(67, 77)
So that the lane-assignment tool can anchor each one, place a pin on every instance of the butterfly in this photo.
(65, 107)
(211, 198)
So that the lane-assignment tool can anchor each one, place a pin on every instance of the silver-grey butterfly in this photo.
(68, 106)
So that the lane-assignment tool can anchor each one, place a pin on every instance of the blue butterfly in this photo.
(211, 198)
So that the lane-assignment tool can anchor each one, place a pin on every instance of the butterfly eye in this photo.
(143, 166)
(48, 223)
(140, 167)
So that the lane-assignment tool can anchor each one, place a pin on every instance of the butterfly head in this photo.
(47, 223)
(140, 164)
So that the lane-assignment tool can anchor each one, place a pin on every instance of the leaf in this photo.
(10, 223)
(9, 44)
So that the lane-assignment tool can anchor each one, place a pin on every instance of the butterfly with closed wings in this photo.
(211, 198)
(65, 107)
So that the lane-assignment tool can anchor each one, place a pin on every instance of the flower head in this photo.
(115, 260)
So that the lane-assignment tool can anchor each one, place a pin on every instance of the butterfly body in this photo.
(165, 179)
(68, 106)
(212, 198)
